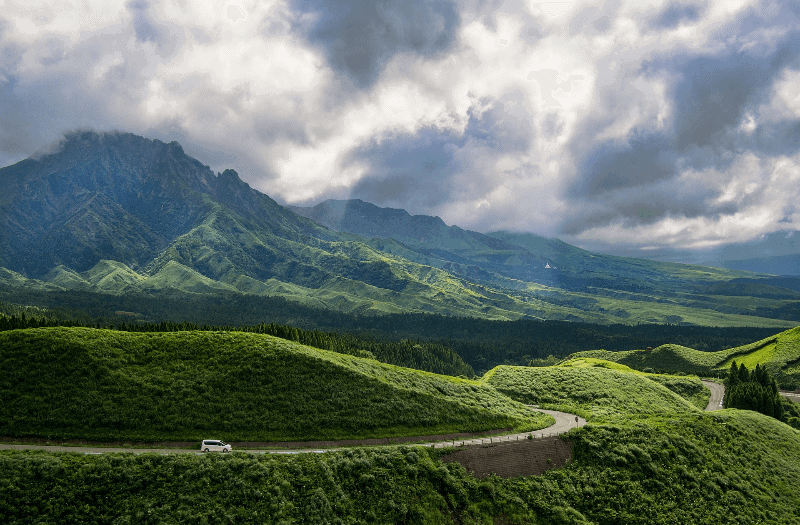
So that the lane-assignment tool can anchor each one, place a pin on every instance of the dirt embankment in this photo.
(524, 458)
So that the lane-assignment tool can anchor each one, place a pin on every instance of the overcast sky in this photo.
(624, 125)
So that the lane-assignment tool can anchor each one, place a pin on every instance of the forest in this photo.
(481, 344)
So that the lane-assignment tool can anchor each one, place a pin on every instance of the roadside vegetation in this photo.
(731, 466)
(110, 385)
(756, 391)
(648, 455)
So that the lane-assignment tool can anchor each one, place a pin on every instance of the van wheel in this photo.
(206, 450)
(225, 450)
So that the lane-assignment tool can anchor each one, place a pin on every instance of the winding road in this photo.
(717, 394)
(564, 422)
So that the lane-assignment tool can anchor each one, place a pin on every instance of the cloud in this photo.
(667, 124)
(674, 14)
(426, 169)
(359, 37)
(711, 114)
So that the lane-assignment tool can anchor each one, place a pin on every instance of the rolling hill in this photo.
(780, 354)
(84, 383)
(648, 456)
(598, 389)
(122, 215)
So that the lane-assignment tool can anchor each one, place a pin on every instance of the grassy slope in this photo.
(108, 385)
(780, 354)
(592, 391)
(689, 388)
(729, 466)
(350, 276)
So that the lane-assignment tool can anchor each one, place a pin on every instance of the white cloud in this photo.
(240, 79)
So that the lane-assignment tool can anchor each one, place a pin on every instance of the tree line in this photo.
(756, 390)
(420, 355)
(481, 343)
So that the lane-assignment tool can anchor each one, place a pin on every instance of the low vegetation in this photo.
(649, 454)
(180, 386)
(597, 389)
(421, 355)
(730, 466)
(779, 354)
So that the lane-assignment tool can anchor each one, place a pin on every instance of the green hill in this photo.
(730, 466)
(583, 387)
(175, 386)
(780, 354)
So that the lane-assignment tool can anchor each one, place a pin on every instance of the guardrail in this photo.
(496, 440)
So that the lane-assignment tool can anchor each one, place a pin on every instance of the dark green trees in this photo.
(755, 390)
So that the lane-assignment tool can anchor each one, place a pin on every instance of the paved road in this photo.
(564, 422)
(717, 393)
(791, 396)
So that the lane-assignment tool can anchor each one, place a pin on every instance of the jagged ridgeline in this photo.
(122, 215)
(97, 384)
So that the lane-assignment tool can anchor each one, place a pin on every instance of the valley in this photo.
(649, 453)
(146, 300)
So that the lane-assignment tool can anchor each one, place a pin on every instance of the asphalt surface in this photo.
(717, 394)
(564, 422)
(791, 396)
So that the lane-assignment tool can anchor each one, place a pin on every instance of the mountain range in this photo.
(119, 214)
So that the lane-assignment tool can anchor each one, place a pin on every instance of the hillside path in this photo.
(717, 394)
(564, 422)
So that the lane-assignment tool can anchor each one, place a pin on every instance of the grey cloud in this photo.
(553, 125)
(610, 167)
(146, 30)
(674, 14)
(359, 37)
(778, 138)
(506, 126)
(166, 38)
(411, 171)
(708, 96)
(594, 19)
(649, 203)
(423, 170)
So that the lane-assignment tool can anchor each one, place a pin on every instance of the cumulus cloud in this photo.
(359, 37)
(666, 125)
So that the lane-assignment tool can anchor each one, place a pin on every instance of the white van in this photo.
(215, 445)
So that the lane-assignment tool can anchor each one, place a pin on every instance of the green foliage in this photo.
(594, 392)
(182, 386)
(481, 343)
(702, 468)
(756, 391)
(778, 354)
(428, 356)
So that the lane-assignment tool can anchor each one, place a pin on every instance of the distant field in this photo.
(598, 389)
(110, 385)
(780, 354)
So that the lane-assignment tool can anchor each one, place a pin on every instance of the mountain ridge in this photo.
(158, 219)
